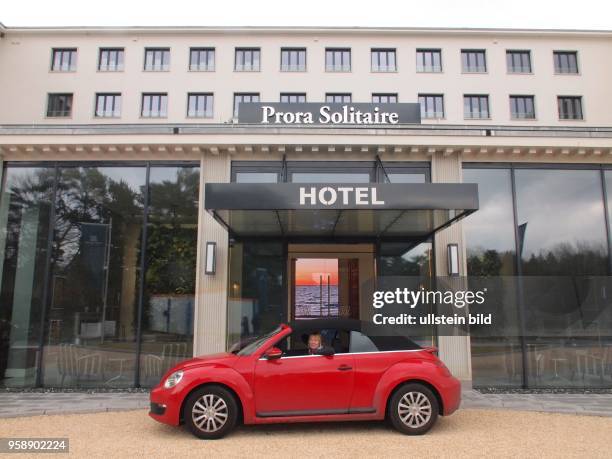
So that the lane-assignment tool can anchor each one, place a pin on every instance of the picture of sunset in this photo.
(316, 287)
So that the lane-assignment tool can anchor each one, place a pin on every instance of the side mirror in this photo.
(273, 353)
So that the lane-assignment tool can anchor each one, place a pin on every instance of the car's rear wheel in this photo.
(413, 409)
(210, 412)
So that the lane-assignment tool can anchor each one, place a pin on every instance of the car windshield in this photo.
(249, 346)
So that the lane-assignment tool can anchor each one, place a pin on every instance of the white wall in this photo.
(25, 78)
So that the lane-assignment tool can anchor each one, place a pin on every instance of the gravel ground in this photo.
(467, 433)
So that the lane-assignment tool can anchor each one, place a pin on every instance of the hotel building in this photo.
(147, 214)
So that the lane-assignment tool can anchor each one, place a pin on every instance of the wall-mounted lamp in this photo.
(453, 259)
(211, 257)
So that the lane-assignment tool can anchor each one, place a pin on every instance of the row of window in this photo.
(200, 105)
(294, 60)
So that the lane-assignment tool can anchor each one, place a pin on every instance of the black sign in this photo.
(329, 114)
(286, 196)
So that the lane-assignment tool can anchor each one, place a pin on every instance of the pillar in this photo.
(210, 318)
(454, 350)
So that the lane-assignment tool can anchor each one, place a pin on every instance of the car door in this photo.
(303, 385)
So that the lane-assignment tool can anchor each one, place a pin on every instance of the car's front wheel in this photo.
(210, 412)
(413, 409)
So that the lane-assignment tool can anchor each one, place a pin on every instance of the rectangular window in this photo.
(476, 106)
(157, 59)
(473, 60)
(383, 60)
(429, 60)
(154, 105)
(202, 59)
(247, 60)
(381, 98)
(244, 97)
(111, 59)
(338, 98)
(522, 107)
(293, 59)
(518, 61)
(566, 61)
(108, 105)
(199, 105)
(64, 60)
(293, 98)
(59, 105)
(570, 107)
(432, 106)
(337, 59)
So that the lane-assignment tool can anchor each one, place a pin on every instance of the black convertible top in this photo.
(386, 342)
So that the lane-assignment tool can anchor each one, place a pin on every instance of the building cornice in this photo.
(274, 30)
(247, 129)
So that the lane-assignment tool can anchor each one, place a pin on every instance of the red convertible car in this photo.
(279, 378)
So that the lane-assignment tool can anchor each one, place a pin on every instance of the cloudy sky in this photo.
(566, 14)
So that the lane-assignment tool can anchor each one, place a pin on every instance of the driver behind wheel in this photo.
(316, 346)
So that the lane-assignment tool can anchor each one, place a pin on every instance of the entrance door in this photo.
(329, 280)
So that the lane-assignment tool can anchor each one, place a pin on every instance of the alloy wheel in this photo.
(414, 409)
(209, 413)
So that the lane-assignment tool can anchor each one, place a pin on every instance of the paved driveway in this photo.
(467, 433)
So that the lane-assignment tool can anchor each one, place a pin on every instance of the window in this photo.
(154, 105)
(476, 106)
(522, 107)
(338, 98)
(247, 60)
(566, 61)
(108, 105)
(383, 60)
(202, 59)
(337, 59)
(157, 59)
(429, 60)
(361, 343)
(244, 97)
(381, 98)
(199, 105)
(293, 59)
(64, 60)
(111, 59)
(293, 98)
(570, 107)
(432, 106)
(473, 60)
(518, 61)
(59, 105)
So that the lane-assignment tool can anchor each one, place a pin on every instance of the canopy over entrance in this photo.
(339, 210)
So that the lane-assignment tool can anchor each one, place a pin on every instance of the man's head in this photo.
(314, 341)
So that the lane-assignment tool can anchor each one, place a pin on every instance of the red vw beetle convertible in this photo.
(279, 377)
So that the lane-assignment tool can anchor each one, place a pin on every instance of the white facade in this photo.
(28, 134)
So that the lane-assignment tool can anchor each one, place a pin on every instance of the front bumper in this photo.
(165, 405)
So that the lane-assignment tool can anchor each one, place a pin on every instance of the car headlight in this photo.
(173, 379)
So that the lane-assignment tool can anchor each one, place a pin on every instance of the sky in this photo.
(540, 14)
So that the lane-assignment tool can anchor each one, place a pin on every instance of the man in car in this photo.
(316, 346)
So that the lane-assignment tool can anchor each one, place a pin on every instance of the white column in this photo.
(210, 318)
(454, 350)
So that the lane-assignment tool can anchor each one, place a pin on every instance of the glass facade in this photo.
(76, 309)
(556, 327)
